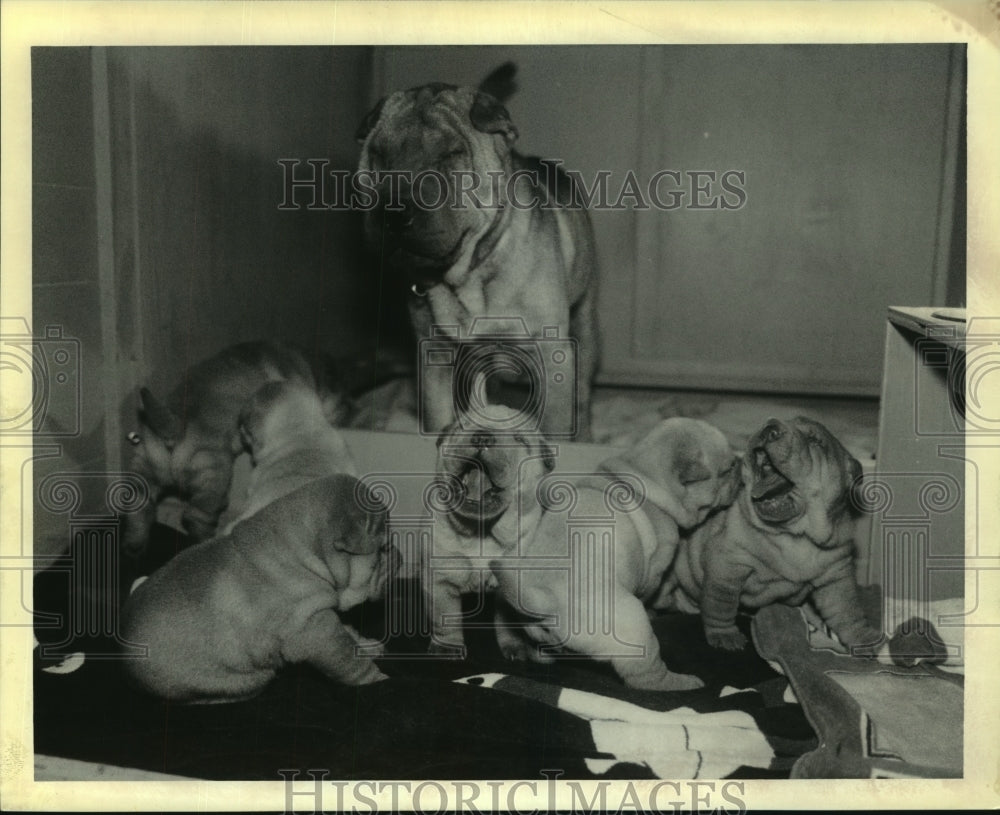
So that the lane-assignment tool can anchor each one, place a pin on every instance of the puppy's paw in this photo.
(868, 642)
(358, 671)
(516, 650)
(446, 650)
(525, 650)
(676, 681)
(370, 648)
(199, 526)
(371, 676)
(727, 639)
(665, 680)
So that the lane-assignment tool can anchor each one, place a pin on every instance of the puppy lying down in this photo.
(788, 537)
(223, 616)
(577, 591)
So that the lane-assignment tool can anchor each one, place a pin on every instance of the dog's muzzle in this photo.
(772, 491)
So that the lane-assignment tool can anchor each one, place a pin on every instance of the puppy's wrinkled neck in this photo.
(512, 527)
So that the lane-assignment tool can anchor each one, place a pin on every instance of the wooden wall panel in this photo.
(205, 256)
(849, 155)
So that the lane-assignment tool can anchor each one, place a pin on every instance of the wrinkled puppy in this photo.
(789, 537)
(285, 427)
(484, 508)
(187, 443)
(582, 588)
(224, 616)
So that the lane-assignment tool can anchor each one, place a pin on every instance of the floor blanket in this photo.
(478, 718)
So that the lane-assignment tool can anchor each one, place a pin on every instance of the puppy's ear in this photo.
(489, 116)
(369, 122)
(237, 442)
(368, 534)
(243, 439)
(501, 83)
(853, 486)
(548, 456)
(445, 433)
(690, 470)
(161, 420)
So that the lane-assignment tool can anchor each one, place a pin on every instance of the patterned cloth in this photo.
(478, 718)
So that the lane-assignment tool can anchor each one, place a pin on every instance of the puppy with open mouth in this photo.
(485, 507)
(581, 585)
(788, 538)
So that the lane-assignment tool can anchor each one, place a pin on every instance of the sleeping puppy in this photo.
(286, 430)
(789, 537)
(222, 617)
(486, 478)
(571, 596)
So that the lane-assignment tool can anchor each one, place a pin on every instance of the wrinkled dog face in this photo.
(799, 478)
(365, 536)
(437, 136)
(707, 473)
(489, 469)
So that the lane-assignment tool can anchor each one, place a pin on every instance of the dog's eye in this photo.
(458, 152)
(134, 438)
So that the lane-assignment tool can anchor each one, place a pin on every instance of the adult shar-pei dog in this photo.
(478, 231)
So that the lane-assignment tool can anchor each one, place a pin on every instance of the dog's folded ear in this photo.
(501, 83)
(489, 116)
(548, 456)
(369, 122)
(689, 470)
(369, 535)
(445, 433)
(161, 420)
(238, 442)
(854, 487)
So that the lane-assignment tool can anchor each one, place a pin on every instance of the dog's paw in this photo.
(665, 680)
(523, 650)
(446, 650)
(369, 647)
(727, 640)
(370, 676)
(676, 681)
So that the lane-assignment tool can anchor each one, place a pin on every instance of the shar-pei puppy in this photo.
(581, 584)
(486, 507)
(224, 616)
(789, 537)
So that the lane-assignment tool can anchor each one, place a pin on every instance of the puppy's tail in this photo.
(500, 83)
